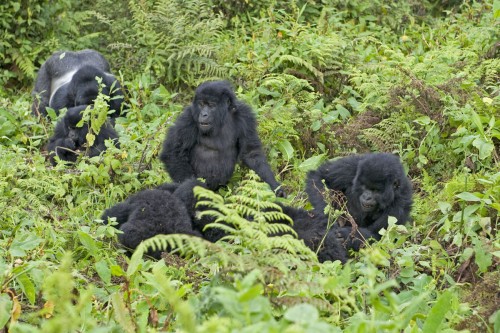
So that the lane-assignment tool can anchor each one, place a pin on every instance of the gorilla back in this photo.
(68, 79)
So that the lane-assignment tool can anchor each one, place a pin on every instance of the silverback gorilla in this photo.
(68, 139)
(68, 79)
(211, 136)
(375, 186)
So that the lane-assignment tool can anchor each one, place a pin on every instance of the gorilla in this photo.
(211, 136)
(68, 139)
(184, 192)
(68, 79)
(149, 213)
(313, 229)
(375, 186)
(309, 227)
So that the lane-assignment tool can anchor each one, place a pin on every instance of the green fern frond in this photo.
(278, 228)
(186, 245)
(303, 63)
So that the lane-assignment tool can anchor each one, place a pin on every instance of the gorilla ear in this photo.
(231, 100)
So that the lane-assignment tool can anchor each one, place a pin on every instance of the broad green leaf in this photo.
(316, 125)
(27, 287)
(485, 148)
(5, 309)
(102, 268)
(285, 147)
(467, 196)
(135, 261)
(22, 243)
(251, 293)
(482, 257)
(438, 312)
(344, 113)
(88, 242)
(302, 313)
(311, 163)
(477, 122)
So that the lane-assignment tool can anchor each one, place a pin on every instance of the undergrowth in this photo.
(325, 79)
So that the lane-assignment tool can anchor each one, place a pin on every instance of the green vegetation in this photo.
(326, 79)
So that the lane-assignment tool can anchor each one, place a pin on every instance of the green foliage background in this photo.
(326, 79)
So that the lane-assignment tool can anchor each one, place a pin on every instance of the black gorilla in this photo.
(68, 79)
(308, 227)
(375, 186)
(184, 192)
(68, 139)
(211, 136)
(312, 228)
(149, 213)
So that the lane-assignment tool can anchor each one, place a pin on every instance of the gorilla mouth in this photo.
(204, 125)
(367, 207)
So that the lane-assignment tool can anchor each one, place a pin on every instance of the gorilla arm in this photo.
(250, 149)
(177, 147)
(336, 175)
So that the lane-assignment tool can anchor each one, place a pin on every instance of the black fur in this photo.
(149, 213)
(184, 192)
(69, 139)
(211, 136)
(312, 228)
(375, 186)
(68, 79)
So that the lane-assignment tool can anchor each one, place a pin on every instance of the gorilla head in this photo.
(376, 182)
(375, 186)
(212, 102)
(69, 139)
(68, 79)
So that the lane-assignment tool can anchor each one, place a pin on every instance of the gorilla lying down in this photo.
(68, 79)
(375, 187)
(170, 208)
(68, 139)
(211, 136)
(149, 213)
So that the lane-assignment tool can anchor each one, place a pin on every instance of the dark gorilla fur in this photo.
(68, 79)
(149, 213)
(375, 186)
(312, 229)
(184, 191)
(68, 139)
(308, 227)
(211, 136)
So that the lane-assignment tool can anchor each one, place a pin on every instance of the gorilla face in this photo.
(75, 133)
(374, 184)
(211, 105)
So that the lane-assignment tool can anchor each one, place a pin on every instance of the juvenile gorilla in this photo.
(68, 139)
(375, 186)
(312, 228)
(184, 192)
(68, 79)
(149, 213)
(308, 227)
(211, 136)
